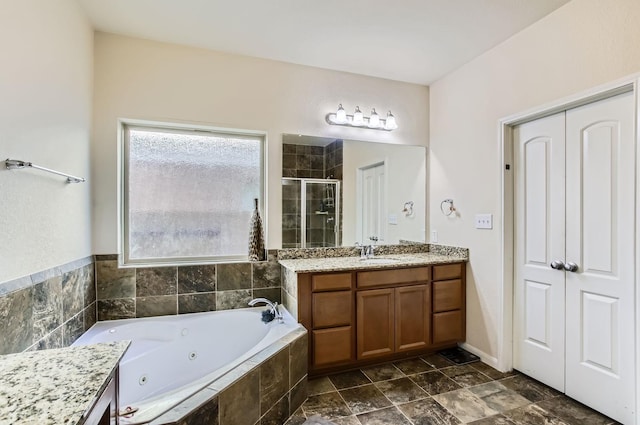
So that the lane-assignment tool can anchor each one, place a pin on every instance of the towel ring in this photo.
(447, 207)
(408, 208)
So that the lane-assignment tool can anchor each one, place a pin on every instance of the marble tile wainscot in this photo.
(124, 293)
(48, 309)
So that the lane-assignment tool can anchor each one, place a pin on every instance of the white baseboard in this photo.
(486, 358)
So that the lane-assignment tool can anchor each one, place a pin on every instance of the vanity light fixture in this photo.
(340, 117)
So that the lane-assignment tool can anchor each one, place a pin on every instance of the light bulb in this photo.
(374, 120)
(358, 118)
(341, 115)
(390, 124)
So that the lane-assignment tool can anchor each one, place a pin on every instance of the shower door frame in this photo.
(303, 207)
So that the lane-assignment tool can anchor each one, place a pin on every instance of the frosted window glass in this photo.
(190, 194)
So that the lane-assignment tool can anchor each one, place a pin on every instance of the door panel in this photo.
(600, 240)
(600, 332)
(539, 290)
(412, 317)
(538, 314)
(375, 322)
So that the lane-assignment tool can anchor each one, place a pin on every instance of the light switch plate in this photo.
(484, 221)
(393, 219)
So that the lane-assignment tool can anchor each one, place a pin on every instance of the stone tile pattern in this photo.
(266, 390)
(124, 293)
(431, 390)
(49, 309)
(328, 264)
(405, 247)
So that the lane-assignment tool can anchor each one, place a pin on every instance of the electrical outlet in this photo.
(434, 236)
(484, 221)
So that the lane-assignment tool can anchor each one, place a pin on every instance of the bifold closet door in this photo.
(539, 292)
(574, 306)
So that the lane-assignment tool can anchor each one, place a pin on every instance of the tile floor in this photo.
(431, 390)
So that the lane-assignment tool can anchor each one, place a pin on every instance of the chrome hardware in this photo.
(557, 265)
(273, 307)
(571, 267)
(16, 164)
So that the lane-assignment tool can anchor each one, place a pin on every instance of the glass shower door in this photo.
(310, 213)
(321, 213)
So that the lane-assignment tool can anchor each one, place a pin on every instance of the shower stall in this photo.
(310, 213)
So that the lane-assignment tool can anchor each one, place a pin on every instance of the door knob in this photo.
(557, 265)
(571, 267)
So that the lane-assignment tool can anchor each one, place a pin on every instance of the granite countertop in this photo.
(328, 264)
(57, 386)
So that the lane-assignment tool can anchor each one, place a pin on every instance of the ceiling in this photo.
(416, 41)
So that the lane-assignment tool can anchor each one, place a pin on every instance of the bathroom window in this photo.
(187, 193)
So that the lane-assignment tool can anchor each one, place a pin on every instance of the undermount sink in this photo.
(379, 260)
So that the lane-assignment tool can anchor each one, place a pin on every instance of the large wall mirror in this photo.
(338, 192)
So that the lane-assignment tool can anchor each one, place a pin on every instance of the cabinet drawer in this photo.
(447, 295)
(447, 271)
(391, 277)
(331, 309)
(330, 281)
(447, 327)
(332, 345)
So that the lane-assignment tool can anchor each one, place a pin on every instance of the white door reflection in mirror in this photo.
(371, 201)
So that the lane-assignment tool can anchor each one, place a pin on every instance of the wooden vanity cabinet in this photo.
(392, 319)
(363, 317)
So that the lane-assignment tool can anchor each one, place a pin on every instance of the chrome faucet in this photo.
(366, 251)
(273, 308)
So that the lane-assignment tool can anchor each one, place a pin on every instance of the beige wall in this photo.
(581, 45)
(148, 80)
(45, 118)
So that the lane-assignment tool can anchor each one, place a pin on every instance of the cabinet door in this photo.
(412, 317)
(375, 322)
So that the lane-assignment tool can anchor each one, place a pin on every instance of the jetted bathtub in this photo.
(172, 357)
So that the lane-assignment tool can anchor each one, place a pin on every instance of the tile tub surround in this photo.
(430, 390)
(67, 383)
(48, 309)
(265, 390)
(124, 293)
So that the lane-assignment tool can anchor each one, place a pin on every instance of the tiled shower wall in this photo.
(49, 309)
(158, 291)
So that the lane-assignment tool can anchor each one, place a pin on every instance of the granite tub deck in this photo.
(57, 386)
